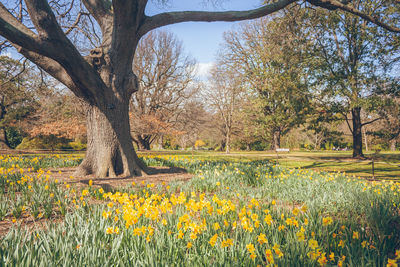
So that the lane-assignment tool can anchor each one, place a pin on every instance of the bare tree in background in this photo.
(104, 79)
(224, 94)
(192, 121)
(166, 77)
(18, 86)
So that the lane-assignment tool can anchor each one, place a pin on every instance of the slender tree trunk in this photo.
(228, 140)
(393, 143)
(276, 139)
(162, 142)
(317, 144)
(3, 139)
(365, 139)
(357, 133)
(223, 145)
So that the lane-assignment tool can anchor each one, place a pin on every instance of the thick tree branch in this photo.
(80, 74)
(44, 19)
(83, 75)
(52, 68)
(20, 36)
(333, 4)
(128, 16)
(168, 18)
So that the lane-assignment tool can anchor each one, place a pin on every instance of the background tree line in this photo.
(303, 78)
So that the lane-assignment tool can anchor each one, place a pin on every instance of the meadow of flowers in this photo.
(231, 213)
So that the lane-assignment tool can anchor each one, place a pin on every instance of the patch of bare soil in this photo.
(158, 175)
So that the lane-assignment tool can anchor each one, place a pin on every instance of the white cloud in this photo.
(203, 69)
(7, 54)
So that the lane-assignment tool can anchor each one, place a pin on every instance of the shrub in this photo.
(14, 136)
(45, 142)
(77, 146)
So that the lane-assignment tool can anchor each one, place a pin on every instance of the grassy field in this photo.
(386, 164)
(240, 212)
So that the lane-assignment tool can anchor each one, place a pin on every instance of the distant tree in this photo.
(60, 114)
(388, 129)
(191, 122)
(321, 126)
(166, 79)
(269, 55)
(225, 94)
(352, 59)
(17, 98)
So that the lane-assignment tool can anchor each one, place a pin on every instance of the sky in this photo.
(201, 39)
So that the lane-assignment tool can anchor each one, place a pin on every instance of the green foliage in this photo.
(274, 68)
(14, 136)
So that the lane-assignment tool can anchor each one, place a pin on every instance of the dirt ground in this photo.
(159, 175)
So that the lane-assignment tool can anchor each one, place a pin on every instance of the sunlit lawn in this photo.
(386, 165)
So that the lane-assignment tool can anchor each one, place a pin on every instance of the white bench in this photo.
(282, 150)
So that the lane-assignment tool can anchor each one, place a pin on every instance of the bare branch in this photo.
(347, 121)
(168, 18)
(75, 24)
(68, 10)
(101, 11)
(11, 79)
(333, 4)
(371, 121)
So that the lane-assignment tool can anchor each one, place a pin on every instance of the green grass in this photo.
(386, 166)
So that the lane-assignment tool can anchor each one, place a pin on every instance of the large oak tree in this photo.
(104, 79)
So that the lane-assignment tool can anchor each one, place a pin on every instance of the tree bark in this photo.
(3, 139)
(228, 140)
(276, 139)
(365, 139)
(393, 143)
(357, 133)
(110, 150)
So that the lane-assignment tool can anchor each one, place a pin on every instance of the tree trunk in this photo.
(276, 139)
(365, 139)
(110, 150)
(143, 143)
(3, 139)
(393, 143)
(228, 141)
(357, 134)
(222, 144)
